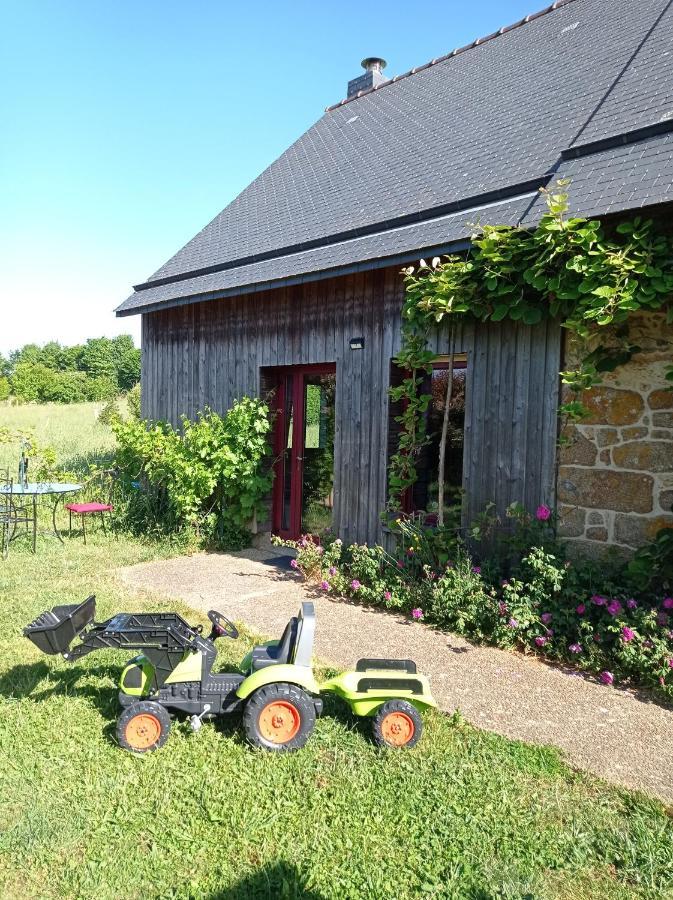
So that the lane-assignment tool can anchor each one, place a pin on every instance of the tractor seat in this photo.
(282, 652)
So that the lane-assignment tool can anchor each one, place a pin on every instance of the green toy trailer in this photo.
(275, 690)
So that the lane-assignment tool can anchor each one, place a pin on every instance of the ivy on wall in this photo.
(574, 270)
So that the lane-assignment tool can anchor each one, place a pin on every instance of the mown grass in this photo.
(465, 814)
(73, 430)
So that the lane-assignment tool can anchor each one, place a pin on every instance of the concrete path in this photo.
(616, 734)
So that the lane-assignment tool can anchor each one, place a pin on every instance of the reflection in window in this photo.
(423, 496)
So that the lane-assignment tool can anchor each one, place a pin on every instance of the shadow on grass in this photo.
(23, 681)
(277, 881)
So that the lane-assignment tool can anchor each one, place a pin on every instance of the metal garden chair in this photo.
(101, 487)
(7, 513)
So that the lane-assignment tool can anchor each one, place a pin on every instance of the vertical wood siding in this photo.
(210, 354)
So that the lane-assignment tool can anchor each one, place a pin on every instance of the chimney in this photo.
(373, 76)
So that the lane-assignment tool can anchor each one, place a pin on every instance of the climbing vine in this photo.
(571, 269)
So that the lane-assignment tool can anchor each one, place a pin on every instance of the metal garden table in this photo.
(39, 489)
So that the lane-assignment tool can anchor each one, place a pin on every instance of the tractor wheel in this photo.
(397, 724)
(279, 717)
(143, 727)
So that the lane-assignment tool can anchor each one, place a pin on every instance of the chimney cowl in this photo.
(373, 76)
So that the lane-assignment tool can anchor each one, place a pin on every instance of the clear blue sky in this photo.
(126, 126)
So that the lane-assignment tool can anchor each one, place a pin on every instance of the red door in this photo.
(304, 450)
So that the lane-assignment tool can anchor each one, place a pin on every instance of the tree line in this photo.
(100, 369)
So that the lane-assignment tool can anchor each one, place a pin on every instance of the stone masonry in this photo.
(615, 477)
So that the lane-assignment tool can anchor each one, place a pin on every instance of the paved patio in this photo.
(619, 735)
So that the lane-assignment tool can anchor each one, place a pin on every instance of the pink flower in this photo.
(400, 564)
(332, 571)
(546, 618)
(598, 600)
(540, 641)
(513, 623)
(502, 608)
(319, 550)
(597, 638)
(607, 677)
(294, 563)
(670, 663)
(662, 618)
(324, 585)
(614, 607)
(575, 648)
(667, 603)
(387, 595)
(648, 644)
(355, 584)
(417, 613)
(631, 604)
(581, 609)
(476, 570)
(542, 513)
(628, 634)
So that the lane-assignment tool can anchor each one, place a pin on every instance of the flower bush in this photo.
(570, 612)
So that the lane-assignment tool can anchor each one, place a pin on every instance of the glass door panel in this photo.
(317, 500)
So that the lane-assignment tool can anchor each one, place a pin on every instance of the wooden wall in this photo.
(208, 354)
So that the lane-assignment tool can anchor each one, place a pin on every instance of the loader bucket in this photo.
(54, 630)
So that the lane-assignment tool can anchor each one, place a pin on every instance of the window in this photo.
(423, 495)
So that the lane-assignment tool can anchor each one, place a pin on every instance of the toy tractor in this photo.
(275, 690)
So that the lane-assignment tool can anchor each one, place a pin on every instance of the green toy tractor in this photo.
(275, 690)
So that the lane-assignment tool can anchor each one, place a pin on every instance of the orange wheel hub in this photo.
(397, 728)
(143, 731)
(279, 722)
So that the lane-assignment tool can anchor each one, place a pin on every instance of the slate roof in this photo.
(583, 90)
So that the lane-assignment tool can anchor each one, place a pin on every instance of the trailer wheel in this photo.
(143, 727)
(279, 717)
(397, 724)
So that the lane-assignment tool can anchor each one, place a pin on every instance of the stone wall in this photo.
(615, 478)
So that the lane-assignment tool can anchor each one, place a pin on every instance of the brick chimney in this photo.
(373, 76)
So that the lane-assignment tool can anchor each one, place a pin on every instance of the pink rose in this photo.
(387, 595)
(355, 584)
(598, 600)
(631, 604)
(607, 677)
(628, 634)
(542, 513)
(667, 603)
(614, 607)
(294, 563)
(546, 618)
(332, 571)
(324, 585)
(417, 613)
(540, 641)
(476, 570)
(581, 609)
(575, 648)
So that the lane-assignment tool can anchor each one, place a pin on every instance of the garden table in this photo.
(40, 489)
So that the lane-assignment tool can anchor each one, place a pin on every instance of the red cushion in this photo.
(83, 508)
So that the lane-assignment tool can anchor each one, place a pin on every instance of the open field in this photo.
(465, 814)
(73, 430)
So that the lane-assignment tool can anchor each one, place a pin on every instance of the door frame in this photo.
(280, 375)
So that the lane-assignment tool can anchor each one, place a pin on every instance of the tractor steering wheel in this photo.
(222, 627)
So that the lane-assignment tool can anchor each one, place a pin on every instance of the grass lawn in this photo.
(73, 430)
(465, 814)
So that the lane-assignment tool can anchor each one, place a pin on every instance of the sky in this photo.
(127, 126)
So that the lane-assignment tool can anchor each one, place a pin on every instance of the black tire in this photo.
(143, 735)
(397, 725)
(295, 717)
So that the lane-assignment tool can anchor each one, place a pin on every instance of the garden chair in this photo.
(101, 486)
(7, 514)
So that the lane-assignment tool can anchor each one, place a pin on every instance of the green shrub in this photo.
(133, 401)
(209, 477)
(4, 388)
